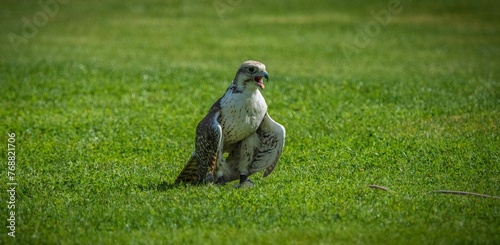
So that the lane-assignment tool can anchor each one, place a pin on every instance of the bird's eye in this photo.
(252, 69)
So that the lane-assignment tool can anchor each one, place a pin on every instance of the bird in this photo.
(237, 137)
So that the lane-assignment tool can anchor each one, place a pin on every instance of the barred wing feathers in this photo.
(272, 141)
(208, 147)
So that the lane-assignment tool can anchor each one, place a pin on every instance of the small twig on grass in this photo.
(464, 193)
(379, 187)
(441, 191)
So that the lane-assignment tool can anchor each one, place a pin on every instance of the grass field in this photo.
(104, 96)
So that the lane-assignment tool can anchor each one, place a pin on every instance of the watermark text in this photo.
(31, 26)
(11, 184)
(372, 29)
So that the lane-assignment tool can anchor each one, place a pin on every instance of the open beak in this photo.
(259, 79)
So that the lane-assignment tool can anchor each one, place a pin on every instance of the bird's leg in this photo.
(245, 182)
(243, 178)
(220, 169)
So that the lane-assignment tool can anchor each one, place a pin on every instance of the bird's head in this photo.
(251, 74)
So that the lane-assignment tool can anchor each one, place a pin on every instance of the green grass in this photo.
(105, 97)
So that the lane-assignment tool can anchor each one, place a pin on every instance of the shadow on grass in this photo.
(163, 186)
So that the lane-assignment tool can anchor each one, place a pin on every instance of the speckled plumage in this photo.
(237, 124)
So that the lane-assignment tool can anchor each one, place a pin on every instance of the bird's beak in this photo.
(264, 74)
(258, 79)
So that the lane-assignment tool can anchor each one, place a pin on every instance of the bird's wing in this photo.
(272, 141)
(208, 147)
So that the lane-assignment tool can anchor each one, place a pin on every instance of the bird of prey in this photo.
(237, 137)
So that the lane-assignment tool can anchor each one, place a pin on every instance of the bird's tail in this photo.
(189, 173)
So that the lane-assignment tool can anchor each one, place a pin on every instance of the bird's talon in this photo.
(246, 184)
(221, 181)
(209, 178)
